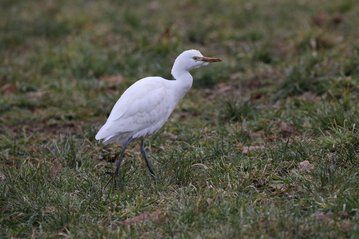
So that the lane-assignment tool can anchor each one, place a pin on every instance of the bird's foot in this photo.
(113, 179)
(153, 176)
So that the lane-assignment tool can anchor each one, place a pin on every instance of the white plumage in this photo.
(146, 105)
(141, 110)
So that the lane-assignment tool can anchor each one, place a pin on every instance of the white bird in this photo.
(147, 104)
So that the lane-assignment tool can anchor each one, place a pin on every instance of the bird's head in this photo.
(192, 59)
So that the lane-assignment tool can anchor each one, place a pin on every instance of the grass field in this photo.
(265, 145)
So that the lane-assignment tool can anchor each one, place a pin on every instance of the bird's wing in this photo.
(135, 92)
(141, 106)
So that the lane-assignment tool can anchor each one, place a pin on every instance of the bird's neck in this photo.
(183, 78)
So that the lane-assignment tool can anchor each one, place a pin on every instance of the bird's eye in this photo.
(196, 58)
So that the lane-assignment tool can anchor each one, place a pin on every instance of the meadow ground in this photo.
(266, 144)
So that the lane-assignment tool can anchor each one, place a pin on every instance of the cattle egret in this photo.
(146, 105)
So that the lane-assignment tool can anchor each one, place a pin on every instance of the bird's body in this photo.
(147, 104)
(142, 109)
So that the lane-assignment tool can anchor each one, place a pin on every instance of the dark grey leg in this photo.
(144, 155)
(118, 163)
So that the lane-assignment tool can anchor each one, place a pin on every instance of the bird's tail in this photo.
(102, 133)
(108, 136)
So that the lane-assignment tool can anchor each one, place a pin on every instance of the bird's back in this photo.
(141, 110)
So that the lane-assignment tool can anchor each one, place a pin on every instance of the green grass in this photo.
(229, 162)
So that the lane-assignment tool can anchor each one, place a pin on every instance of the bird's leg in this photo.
(117, 170)
(144, 155)
(118, 164)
